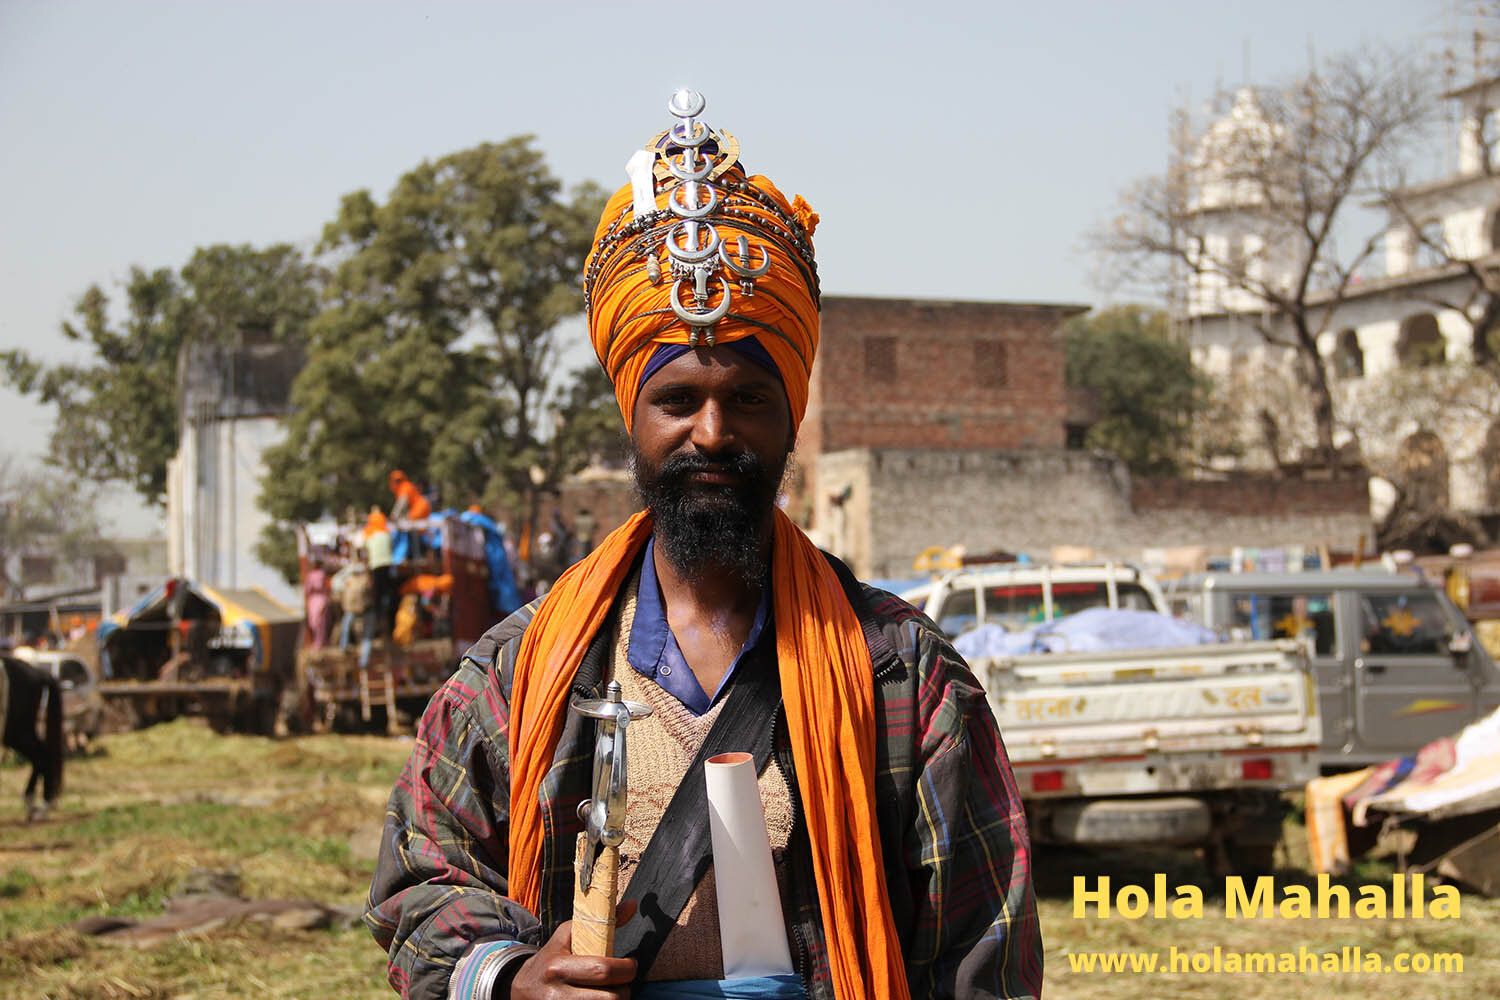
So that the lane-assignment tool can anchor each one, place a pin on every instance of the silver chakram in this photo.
(696, 250)
(604, 815)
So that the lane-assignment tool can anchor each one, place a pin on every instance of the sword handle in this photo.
(594, 907)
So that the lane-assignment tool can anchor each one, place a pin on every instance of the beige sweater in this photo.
(658, 751)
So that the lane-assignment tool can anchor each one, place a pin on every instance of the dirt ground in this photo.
(155, 820)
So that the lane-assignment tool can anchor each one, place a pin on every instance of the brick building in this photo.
(933, 374)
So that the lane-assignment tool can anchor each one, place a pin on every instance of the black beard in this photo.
(703, 527)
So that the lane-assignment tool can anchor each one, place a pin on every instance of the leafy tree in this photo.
(1143, 383)
(437, 349)
(1291, 168)
(42, 512)
(117, 418)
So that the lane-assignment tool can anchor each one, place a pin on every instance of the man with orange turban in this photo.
(900, 843)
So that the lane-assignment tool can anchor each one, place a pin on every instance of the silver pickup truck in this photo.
(1396, 664)
(1186, 745)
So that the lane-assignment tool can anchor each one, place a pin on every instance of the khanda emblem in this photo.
(698, 254)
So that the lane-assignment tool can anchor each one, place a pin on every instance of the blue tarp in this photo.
(1094, 630)
(503, 592)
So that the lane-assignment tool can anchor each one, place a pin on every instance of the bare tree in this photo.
(1419, 408)
(1253, 216)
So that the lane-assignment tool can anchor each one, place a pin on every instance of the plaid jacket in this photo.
(953, 831)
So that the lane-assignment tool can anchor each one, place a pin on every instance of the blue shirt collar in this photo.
(653, 651)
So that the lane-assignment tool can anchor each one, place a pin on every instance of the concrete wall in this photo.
(901, 501)
(212, 516)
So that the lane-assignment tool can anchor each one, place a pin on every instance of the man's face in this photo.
(711, 434)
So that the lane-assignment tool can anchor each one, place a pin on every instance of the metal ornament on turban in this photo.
(694, 252)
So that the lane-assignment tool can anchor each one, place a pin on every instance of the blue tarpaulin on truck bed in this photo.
(1094, 630)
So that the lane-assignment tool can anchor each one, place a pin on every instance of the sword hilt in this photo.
(597, 856)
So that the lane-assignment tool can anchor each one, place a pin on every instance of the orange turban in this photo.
(637, 266)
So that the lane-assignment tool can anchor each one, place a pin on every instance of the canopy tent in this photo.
(247, 623)
(1469, 784)
(1448, 793)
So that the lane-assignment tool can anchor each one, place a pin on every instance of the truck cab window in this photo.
(959, 612)
(1286, 616)
(1071, 598)
(72, 672)
(1133, 597)
(1015, 606)
(1406, 623)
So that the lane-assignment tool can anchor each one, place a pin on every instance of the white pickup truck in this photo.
(1183, 745)
(1186, 744)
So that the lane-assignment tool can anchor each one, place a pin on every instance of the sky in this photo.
(952, 149)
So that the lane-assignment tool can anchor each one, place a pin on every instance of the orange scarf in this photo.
(828, 692)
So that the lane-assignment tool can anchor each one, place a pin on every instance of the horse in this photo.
(22, 687)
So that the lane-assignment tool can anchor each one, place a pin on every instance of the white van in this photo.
(1019, 595)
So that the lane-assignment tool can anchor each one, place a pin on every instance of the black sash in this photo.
(681, 849)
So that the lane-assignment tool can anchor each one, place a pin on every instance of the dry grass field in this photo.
(148, 812)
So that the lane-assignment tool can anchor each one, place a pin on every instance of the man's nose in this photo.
(711, 432)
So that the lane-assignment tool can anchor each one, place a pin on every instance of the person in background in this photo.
(410, 504)
(355, 592)
(316, 596)
(378, 620)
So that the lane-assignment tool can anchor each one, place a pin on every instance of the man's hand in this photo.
(555, 973)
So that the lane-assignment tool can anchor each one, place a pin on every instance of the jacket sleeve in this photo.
(438, 901)
(976, 932)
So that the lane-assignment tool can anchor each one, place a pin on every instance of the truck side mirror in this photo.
(1459, 643)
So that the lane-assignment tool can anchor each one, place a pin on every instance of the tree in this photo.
(1251, 214)
(1143, 384)
(437, 349)
(42, 512)
(117, 415)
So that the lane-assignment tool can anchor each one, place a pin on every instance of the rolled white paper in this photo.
(750, 922)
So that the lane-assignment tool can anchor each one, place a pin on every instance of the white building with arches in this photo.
(1398, 344)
